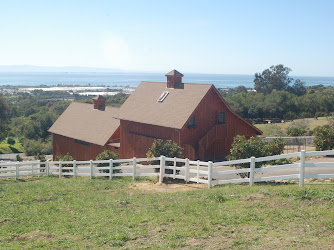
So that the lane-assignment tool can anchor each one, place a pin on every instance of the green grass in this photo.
(48, 212)
(5, 148)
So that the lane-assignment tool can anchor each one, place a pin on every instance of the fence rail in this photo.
(176, 168)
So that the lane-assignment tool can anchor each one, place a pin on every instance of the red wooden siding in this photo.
(63, 145)
(137, 138)
(210, 139)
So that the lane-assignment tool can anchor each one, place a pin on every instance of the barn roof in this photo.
(80, 121)
(142, 105)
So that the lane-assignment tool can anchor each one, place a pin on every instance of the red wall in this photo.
(218, 142)
(137, 138)
(63, 145)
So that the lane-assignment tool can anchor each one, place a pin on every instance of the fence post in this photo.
(174, 170)
(134, 165)
(302, 168)
(110, 169)
(60, 169)
(39, 168)
(209, 174)
(74, 169)
(47, 168)
(252, 170)
(162, 168)
(187, 171)
(32, 169)
(197, 171)
(91, 169)
(17, 171)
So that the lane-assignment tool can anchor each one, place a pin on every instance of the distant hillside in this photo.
(32, 68)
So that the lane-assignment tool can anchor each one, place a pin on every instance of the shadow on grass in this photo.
(14, 150)
(269, 183)
(272, 184)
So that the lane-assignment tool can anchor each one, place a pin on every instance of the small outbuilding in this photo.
(85, 130)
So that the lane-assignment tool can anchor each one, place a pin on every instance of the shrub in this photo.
(107, 155)
(10, 141)
(324, 137)
(275, 147)
(40, 157)
(37, 147)
(168, 149)
(243, 148)
(298, 128)
(66, 157)
(296, 132)
(18, 158)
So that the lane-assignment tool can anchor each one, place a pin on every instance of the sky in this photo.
(223, 37)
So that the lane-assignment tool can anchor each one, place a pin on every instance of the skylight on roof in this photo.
(163, 96)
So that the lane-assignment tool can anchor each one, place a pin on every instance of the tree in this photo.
(10, 141)
(276, 77)
(240, 89)
(298, 88)
(4, 118)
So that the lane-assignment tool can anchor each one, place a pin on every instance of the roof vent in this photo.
(163, 96)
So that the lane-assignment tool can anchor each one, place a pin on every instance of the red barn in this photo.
(85, 130)
(194, 116)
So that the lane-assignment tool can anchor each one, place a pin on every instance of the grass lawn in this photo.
(5, 148)
(48, 212)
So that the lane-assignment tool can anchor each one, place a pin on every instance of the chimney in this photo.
(99, 102)
(174, 78)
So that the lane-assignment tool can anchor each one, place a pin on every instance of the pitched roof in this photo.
(80, 121)
(174, 72)
(142, 105)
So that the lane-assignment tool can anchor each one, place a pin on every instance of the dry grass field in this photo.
(273, 128)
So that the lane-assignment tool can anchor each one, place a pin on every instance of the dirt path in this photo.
(169, 187)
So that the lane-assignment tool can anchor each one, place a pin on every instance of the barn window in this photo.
(221, 118)
(82, 143)
(191, 123)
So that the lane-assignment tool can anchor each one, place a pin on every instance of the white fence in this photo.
(185, 169)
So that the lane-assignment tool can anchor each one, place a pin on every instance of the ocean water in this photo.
(134, 79)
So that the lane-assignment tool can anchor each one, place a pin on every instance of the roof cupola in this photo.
(99, 102)
(174, 78)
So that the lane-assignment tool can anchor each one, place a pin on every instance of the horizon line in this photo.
(112, 70)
